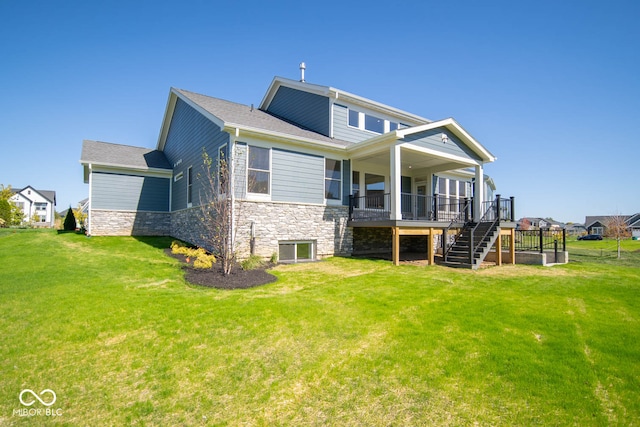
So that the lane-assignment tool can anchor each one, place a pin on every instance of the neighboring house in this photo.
(38, 206)
(540, 223)
(598, 224)
(634, 225)
(316, 171)
(576, 229)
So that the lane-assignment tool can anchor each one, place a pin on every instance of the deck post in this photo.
(395, 245)
(513, 209)
(430, 247)
(478, 196)
(396, 187)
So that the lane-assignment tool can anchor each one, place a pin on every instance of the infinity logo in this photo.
(42, 393)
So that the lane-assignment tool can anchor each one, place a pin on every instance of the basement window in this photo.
(298, 251)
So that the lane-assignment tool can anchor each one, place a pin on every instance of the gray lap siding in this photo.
(129, 192)
(297, 177)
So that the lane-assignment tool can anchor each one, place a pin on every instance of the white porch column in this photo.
(396, 188)
(478, 197)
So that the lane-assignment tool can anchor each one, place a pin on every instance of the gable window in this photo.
(332, 179)
(354, 118)
(370, 122)
(373, 124)
(189, 186)
(258, 170)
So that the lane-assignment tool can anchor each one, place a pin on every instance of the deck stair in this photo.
(475, 239)
(468, 252)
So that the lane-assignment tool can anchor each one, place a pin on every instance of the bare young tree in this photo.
(216, 210)
(616, 227)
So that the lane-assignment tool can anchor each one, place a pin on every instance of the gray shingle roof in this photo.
(47, 194)
(105, 153)
(232, 113)
(603, 219)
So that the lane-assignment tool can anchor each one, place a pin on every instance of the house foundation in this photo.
(262, 226)
(129, 223)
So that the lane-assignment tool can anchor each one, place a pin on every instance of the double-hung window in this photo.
(258, 170)
(189, 186)
(332, 179)
(223, 170)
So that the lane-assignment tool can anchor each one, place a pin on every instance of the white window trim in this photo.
(361, 121)
(313, 247)
(189, 176)
(221, 148)
(337, 201)
(258, 196)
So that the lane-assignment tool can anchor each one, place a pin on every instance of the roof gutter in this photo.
(235, 129)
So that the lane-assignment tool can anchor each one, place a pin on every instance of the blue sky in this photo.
(552, 88)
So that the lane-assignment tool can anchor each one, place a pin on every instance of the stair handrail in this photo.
(463, 216)
(494, 208)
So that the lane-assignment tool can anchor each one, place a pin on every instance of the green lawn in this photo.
(110, 326)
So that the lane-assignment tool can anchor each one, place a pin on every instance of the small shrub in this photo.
(179, 248)
(69, 221)
(202, 259)
(251, 263)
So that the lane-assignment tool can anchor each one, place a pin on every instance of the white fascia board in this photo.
(459, 131)
(239, 130)
(166, 120)
(489, 181)
(171, 103)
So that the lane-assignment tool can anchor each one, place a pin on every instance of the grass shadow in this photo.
(158, 242)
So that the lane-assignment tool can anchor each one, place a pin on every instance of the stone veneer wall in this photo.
(273, 222)
(186, 226)
(129, 223)
(276, 221)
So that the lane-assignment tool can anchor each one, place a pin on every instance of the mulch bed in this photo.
(214, 277)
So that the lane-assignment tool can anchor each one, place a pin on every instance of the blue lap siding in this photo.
(305, 109)
(190, 132)
(129, 192)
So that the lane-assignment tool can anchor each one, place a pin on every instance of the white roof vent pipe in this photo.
(303, 66)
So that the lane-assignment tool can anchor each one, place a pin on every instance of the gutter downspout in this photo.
(232, 187)
(90, 200)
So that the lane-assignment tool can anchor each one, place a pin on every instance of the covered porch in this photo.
(429, 181)
(395, 175)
